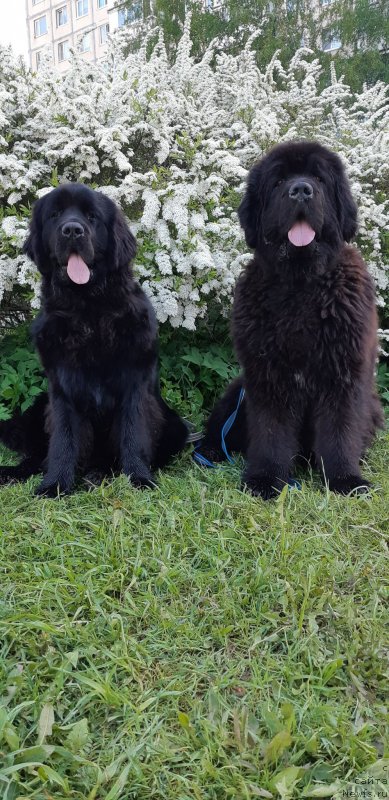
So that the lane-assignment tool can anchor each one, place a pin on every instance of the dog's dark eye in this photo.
(280, 181)
(319, 179)
(54, 215)
(91, 216)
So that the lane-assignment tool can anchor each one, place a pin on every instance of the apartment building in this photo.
(64, 24)
(85, 24)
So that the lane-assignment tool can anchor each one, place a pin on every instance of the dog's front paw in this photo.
(349, 484)
(142, 480)
(94, 478)
(48, 489)
(212, 454)
(264, 486)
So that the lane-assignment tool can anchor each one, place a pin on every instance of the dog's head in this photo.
(298, 199)
(78, 236)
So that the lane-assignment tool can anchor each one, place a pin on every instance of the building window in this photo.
(331, 41)
(130, 14)
(38, 58)
(63, 51)
(61, 16)
(82, 8)
(103, 33)
(84, 44)
(101, 3)
(40, 26)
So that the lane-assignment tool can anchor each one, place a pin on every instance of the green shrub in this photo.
(21, 378)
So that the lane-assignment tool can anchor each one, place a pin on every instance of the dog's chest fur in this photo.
(90, 355)
(302, 329)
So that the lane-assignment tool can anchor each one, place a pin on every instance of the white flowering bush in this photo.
(172, 145)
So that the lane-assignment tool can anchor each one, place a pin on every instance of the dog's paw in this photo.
(264, 486)
(94, 478)
(46, 489)
(349, 484)
(142, 481)
(213, 454)
(6, 478)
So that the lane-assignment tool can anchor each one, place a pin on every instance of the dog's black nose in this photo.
(301, 190)
(72, 230)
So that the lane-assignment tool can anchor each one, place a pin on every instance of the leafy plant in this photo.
(195, 368)
(21, 378)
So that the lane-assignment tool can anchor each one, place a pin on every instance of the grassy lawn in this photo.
(192, 642)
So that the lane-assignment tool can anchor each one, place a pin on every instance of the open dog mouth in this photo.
(77, 270)
(301, 234)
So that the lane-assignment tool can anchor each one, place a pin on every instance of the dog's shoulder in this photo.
(350, 284)
(354, 269)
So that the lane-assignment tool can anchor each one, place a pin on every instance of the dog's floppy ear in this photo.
(124, 243)
(33, 246)
(346, 206)
(250, 209)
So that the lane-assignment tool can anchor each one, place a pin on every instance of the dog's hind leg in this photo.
(25, 434)
(20, 472)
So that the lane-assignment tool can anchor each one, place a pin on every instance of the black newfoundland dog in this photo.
(96, 335)
(304, 328)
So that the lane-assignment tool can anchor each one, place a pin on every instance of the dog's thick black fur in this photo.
(304, 327)
(96, 335)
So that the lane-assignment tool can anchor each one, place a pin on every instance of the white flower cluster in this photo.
(172, 145)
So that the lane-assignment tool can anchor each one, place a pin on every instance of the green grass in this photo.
(192, 642)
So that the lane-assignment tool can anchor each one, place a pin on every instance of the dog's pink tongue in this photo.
(77, 269)
(301, 234)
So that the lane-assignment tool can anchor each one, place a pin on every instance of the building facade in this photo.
(62, 25)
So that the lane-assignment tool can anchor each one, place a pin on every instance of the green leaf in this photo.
(3, 719)
(287, 778)
(312, 745)
(321, 791)
(280, 742)
(257, 791)
(330, 668)
(20, 766)
(45, 722)
(4, 413)
(380, 768)
(287, 709)
(11, 791)
(34, 755)
(183, 719)
(119, 785)
(193, 357)
(52, 776)
(11, 737)
(78, 737)
(73, 657)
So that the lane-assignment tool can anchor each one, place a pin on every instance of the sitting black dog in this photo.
(96, 335)
(304, 328)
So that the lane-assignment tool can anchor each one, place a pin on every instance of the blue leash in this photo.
(228, 425)
(202, 461)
